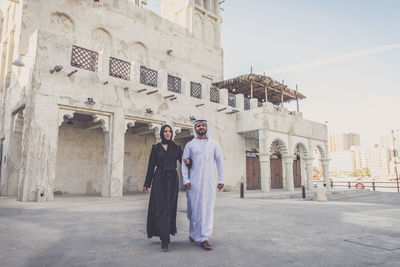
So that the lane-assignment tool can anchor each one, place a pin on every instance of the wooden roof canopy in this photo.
(257, 86)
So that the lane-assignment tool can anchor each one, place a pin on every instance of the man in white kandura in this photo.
(200, 182)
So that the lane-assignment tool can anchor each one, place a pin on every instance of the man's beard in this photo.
(201, 132)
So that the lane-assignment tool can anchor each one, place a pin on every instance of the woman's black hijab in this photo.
(163, 140)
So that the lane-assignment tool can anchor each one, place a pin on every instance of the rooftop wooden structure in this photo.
(261, 87)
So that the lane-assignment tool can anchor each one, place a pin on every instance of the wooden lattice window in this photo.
(148, 76)
(195, 90)
(174, 84)
(231, 100)
(120, 69)
(84, 58)
(214, 95)
(246, 104)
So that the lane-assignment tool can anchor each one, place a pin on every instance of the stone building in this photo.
(86, 86)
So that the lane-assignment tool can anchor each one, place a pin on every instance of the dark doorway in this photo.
(276, 171)
(253, 178)
(297, 172)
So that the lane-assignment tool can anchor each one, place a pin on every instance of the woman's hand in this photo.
(220, 186)
(187, 186)
(186, 161)
(145, 189)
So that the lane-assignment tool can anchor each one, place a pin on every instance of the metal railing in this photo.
(195, 90)
(232, 100)
(246, 103)
(214, 95)
(174, 84)
(148, 76)
(84, 58)
(374, 185)
(119, 68)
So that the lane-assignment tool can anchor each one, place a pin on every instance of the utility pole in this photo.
(297, 99)
(395, 161)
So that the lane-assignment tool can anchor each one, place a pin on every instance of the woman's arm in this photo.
(150, 168)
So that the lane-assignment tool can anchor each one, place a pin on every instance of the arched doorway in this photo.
(297, 171)
(276, 171)
(80, 156)
(278, 150)
(300, 156)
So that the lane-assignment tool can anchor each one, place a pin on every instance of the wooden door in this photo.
(253, 177)
(297, 172)
(276, 172)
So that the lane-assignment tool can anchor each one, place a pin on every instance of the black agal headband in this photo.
(198, 121)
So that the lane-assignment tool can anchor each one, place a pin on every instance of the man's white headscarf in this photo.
(208, 134)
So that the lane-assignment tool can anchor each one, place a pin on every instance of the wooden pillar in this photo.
(297, 99)
(266, 94)
(251, 90)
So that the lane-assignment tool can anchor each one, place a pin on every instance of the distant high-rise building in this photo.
(375, 159)
(391, 142)
(343, 141)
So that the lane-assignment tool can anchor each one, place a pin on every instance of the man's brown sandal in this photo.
(191, 239)
(206, 245)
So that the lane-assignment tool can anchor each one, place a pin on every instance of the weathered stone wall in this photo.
(79, 166)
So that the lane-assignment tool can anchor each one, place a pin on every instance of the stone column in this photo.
(114, 147)
(289, 173)
(223, 97)
(253, 103)
(325, 170)
(309, 174)
(265, 169)
(240, 102)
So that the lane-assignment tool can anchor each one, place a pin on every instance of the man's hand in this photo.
(220, 186)
(187, 186)
(145, 189)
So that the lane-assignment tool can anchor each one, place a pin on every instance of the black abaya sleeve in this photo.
(180, 153)
(181, 159)
(150, 167)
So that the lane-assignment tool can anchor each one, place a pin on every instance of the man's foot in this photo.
(191, 239)
(206, 245)
(164, 246)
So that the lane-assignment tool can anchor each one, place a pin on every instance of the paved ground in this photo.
(94, 231)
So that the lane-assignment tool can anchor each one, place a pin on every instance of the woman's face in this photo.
(167, 133)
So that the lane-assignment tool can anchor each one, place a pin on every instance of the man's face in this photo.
(201, 128)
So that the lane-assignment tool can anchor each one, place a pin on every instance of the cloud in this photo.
(329, 60)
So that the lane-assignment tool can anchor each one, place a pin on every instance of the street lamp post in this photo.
(395, 161)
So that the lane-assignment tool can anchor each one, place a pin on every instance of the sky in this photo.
(344, 55)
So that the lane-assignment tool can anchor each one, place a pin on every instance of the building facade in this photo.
(86, 86)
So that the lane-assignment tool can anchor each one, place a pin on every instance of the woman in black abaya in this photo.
(164, 183)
